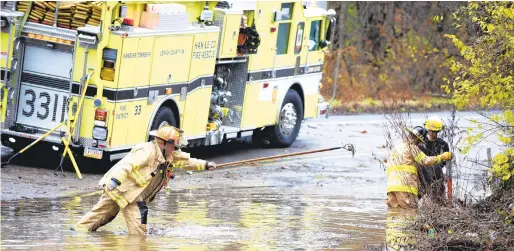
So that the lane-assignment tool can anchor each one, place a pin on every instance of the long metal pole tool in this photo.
(348, 147)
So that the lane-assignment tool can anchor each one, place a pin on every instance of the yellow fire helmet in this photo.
(434, 123)
(171, 135)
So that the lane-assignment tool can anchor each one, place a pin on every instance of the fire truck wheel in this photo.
(164, 116)
(284, 133)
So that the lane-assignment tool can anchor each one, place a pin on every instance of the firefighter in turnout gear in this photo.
(402, 174)
(432, 177)
(133, 183)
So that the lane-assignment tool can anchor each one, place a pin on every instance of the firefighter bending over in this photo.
(402, 174)
(133, 183)
(432, 177)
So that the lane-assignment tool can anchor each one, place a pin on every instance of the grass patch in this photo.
(371, 105)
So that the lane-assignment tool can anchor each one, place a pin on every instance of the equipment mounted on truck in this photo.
(103, 74)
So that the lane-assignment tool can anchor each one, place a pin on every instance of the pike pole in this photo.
(348, 147)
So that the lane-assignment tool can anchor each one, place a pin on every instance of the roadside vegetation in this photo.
(390, 51)
(483, 77)
(479, 78)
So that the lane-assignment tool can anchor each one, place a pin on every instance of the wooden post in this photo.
(489, 158)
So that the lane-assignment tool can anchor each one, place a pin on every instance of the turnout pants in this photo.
(105, 211)
(402, 200)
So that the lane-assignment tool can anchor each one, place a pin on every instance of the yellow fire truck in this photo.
(104, 74)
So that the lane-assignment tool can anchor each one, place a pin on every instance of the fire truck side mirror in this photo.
(330, 30)
(331, 26)
(323, 44)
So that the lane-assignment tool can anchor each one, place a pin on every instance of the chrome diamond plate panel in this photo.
(237, 85)
(51, 31)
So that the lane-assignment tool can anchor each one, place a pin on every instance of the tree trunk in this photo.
(376, 22)
(341, 8)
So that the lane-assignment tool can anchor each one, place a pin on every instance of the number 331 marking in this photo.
(137, 110)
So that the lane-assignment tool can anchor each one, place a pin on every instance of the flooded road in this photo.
(327, 200)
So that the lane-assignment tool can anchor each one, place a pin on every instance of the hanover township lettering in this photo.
(130, 55)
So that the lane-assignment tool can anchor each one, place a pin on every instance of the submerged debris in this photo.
(486, 225)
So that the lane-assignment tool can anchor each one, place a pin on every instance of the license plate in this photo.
(95, 153)
(41, 107)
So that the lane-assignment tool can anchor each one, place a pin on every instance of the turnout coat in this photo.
(144, 163)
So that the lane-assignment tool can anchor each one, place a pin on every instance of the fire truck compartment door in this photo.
(47, 61)
(44, 87)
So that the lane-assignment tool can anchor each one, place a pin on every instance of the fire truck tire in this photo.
(284, 133)
(164, 116)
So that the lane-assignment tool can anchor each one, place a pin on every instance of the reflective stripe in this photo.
(136, 175)
(122, 202)
(420, 157)
(398, 233)
(140, 181)
(402, 168)
(180, 164)
(400, 188)
(397, 179)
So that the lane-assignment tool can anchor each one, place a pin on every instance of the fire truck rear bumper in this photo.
(11, 136)
(323, 109)
(19, 140)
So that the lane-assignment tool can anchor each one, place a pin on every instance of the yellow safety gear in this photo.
(402, 174)
(170, 134)
(434, 123)
(402, 179)
(106, 209)
(398, 234)
(137, 169)
(446, 156)
(166, 133)
(142, 174)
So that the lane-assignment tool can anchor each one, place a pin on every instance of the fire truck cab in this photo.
(217, 70)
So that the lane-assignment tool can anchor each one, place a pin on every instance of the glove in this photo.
(446, 156)
(210, 165)
(112, 185)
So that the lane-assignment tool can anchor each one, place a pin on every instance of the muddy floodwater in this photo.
(329, 200)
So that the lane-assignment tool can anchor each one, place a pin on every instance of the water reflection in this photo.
(399, 233)
(233, 219)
